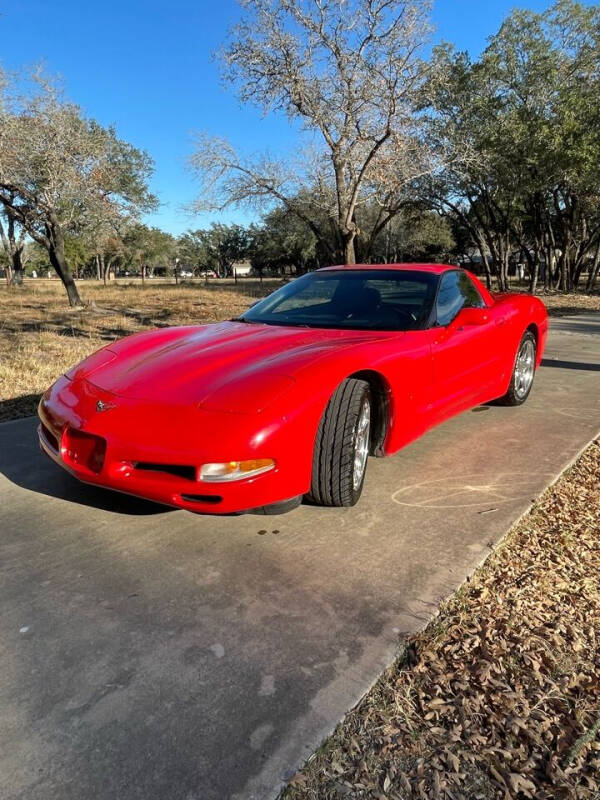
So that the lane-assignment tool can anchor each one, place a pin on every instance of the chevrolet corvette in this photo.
(290, 399)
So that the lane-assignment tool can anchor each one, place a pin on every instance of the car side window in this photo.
(456, 292)
(470, 292)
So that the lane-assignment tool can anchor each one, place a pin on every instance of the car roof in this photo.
(435, 269)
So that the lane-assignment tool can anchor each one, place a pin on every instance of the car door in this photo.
(464, 357)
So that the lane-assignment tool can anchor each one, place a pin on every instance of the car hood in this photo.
(193, 364)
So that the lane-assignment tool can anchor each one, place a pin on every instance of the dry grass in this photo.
(500, 696)
(40, 336)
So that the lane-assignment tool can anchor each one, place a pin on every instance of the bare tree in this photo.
(349, 70)
(57, 167)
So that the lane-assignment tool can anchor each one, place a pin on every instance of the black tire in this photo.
(515, 396)
(283, 507)
(336, 445)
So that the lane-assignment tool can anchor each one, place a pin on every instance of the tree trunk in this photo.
(102, 263)
(56, 253)
(483, 255)
(577, 270)
(533, 262)
(13, 248)
(110, 266)
(564, 273)
(504, 257)
(535, 271)
(61, 267)
(502, 269)
(593, 270)
(349, 250)
(18, 269)
(486, 269)
(534, 266)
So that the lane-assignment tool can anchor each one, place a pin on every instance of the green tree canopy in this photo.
(524, 118)
(60, 171)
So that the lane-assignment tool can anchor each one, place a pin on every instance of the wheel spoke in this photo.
(524, 368)
(361, 449)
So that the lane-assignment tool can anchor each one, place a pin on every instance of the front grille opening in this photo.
(202, 498)
(178, 470)
(50, 437)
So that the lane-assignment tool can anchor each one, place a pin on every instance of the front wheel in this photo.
(523, 373)
(342, 446)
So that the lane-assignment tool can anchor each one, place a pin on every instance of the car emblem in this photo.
(102, 406)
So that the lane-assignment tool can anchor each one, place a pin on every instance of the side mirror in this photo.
(471, 316)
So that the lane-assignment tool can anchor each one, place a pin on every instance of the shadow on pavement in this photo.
(22, 462)
(548, 362)
(18, 407)
(584, 324)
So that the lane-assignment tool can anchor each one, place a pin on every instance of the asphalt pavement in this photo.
(151, 654)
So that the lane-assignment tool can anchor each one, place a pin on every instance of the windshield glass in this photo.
(390, 300)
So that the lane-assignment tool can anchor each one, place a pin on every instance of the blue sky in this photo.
(147, 67)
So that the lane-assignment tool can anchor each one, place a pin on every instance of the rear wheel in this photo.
(523, 373)
(342, 446)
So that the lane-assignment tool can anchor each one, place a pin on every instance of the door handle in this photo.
(501, 321)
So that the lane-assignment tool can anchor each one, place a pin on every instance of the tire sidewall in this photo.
(332, 482)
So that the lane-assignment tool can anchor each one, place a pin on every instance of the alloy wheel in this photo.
(361, 444)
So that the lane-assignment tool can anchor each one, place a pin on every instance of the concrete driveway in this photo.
(152, 654)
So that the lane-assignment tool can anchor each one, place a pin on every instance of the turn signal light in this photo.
(235, 470)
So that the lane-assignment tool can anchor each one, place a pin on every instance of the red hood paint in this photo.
(189, 364)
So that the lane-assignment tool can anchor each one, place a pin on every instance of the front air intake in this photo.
(178, 470)
(202, 498)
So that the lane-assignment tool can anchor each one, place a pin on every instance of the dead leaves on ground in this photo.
(559, 304)
(504, 698)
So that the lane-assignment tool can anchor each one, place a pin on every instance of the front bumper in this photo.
(155, 452)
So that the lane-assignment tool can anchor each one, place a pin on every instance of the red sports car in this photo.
(289, 400)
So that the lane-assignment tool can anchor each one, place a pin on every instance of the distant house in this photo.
(241, 268)
(471, 259)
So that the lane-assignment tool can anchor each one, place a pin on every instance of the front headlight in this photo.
(235, 470)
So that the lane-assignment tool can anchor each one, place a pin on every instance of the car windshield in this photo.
(390, 300)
